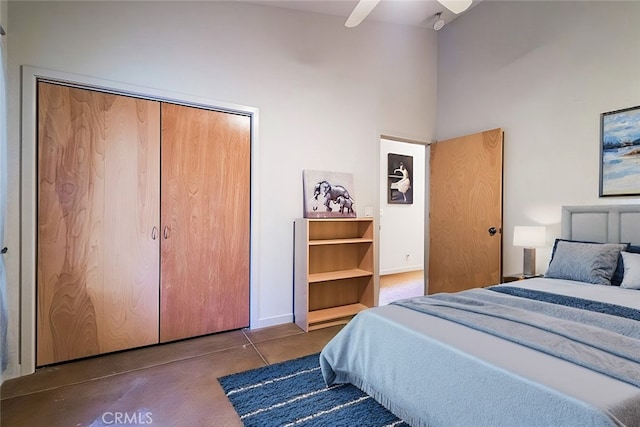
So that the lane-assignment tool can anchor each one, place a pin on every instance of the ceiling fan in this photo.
(364, 7)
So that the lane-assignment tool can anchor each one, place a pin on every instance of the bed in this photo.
(563, 350)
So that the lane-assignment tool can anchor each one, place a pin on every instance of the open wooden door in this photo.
(465, 212)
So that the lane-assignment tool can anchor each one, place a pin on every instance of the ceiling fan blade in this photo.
(362, 9)
(456, 6)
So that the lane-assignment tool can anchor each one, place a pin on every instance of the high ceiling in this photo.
(420, 13)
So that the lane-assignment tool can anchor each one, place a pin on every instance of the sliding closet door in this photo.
(205, 222)
(98, 211)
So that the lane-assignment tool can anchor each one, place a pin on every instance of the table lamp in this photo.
(529, 237)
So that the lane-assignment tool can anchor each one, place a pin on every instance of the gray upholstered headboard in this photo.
(602, 223)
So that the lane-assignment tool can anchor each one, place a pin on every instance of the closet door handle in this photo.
(166, 232)
(154, 232)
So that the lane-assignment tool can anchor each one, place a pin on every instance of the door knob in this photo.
(492, 231)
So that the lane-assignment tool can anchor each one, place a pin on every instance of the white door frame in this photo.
(30, 77)
(382, 172)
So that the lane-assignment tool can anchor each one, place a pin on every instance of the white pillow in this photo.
(631, 278)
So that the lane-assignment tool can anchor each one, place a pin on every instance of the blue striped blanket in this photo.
(604, 338)
(584, 304)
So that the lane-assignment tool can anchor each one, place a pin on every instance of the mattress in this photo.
(431, 371)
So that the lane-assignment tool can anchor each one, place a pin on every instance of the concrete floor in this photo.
(169, 385)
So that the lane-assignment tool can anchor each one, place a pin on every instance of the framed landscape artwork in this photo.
(620, 153)
(328, 194)
(399, 179)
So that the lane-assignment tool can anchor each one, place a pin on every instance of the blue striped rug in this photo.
(293, 393)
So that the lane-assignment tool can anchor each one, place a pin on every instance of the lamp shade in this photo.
(456, 6)
(529, 236)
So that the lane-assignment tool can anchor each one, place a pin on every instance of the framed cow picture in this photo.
(328, 194)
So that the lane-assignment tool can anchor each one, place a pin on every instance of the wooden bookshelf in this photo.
(334, 270)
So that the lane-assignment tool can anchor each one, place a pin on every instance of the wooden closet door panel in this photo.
(97, 265)
(132, 203)
(205, 209)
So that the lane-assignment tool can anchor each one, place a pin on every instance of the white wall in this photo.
(402, 226)
(325, 93)
(543, 71)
